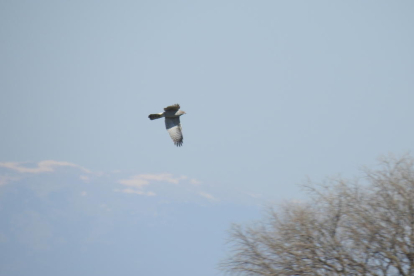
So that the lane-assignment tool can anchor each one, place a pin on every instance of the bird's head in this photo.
(180, 112)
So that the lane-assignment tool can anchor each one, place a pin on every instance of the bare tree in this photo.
(358, 227)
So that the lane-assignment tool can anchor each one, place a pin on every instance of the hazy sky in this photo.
(275, 91)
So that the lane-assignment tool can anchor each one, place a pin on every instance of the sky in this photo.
(275, 92)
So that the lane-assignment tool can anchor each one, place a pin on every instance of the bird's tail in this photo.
(155, 116)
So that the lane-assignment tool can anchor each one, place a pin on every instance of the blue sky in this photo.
(275, 92)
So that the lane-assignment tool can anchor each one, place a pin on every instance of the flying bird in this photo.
(172, 115)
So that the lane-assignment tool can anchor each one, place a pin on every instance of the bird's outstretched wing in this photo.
(174, 107)
(174, 129)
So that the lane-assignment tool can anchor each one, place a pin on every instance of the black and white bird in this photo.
(172, 115)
